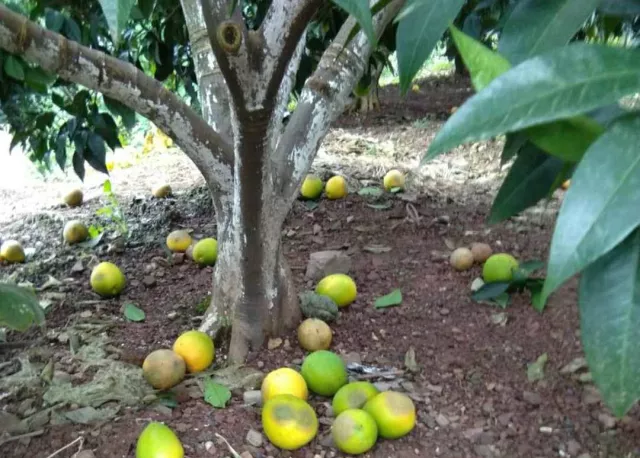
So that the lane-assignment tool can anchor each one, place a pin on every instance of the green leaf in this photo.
(620, 7)
(529, 267)
(371, 191)
(133, 313)
(535, 370)
(484, 65)
(502, 300)
(419, 32)
(609, 301)
(95, 154)
(106, 187)
(116, 12)
(561, 84)
(391, 299)
(537, 26)
(600, 209)
(528, 181)
(216, 394)
(19, 308)
(359, 9)
(512, 146)
(54, 20)
(489, 291)
(567, 139)
(127, 114)
(14, 68)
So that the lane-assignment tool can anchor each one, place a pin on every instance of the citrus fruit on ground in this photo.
(461, 259)
(393, 179)
(75, 232)
(205, 252)
(12, 251)
(163, 369)
(196, 348)
(161, 191)
(107, 279)
(314, 334)
(499, 268)
(394, 413)
(324, 372)
(339, 287)
(565, 185)
(353, 395)
(289, 422)
(311, 187)
(158, 441)
(284, 381)
(110, 165)
(354, 431)
(481, 252)
(178, 241)
(336, 187)
(73, 198)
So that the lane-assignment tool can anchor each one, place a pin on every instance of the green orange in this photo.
(324, 372)
(289, 422)
(354, 431)
(394, 413)
(353, 395)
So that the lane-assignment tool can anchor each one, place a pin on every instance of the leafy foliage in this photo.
(562, 118)
(19, 308)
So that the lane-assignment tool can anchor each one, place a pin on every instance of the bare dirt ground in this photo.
(471, 390)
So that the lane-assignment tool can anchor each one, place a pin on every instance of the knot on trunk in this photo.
(229, 37)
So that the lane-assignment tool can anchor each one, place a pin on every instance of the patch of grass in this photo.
(202, 305)
(422, 123)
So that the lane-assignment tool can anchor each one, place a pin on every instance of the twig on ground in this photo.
(22, 436)
(231, 449)
(379, 375)
(70, 444)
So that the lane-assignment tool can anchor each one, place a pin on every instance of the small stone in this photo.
(210, 447)
(574, 366)
(252, 398)
(77, 268)
(323, 263)
(287, 344)
(505, 418)
(546, 429)
(86, 314)
(254, 438)
(182, 427)
(444, 311)
(246, 454)
(149, 281)
(485, 451)
(84, 454)
(532, 398)
(607, 420)
(434, 388)
(172, 315)
(260, 364)
(442, 420)
(590, 395)
(274, 343)
(585, 455)
(177, 258)
(573, 447)
(473, 433)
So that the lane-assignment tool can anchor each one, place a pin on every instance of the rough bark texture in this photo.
(252, 164)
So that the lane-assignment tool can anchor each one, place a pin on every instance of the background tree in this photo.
(245, 70)
(567, 108)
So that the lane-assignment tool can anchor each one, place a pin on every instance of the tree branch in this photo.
(125, 83)
(282, 30)
(324, 98)
(214, 94)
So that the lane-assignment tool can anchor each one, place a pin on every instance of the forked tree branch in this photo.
(282, 30)
(125, 83)
(324, 98)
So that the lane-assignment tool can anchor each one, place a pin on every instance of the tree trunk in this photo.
(253, 302)
(369, 102)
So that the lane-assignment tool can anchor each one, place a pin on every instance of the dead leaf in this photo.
(449, 243)
(499, 319)
(574, 366)
(88, 415)
(410, 360)
(51, 282)
(535, 370)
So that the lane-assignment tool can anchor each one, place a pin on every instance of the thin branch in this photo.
(282, 30)
(324, 97)
(36, 433)
(69, 445)
(125, 83)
